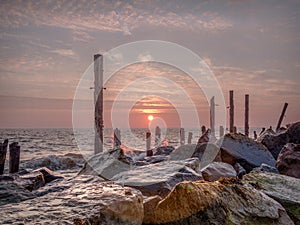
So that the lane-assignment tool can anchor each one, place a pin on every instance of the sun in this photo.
(150, 117)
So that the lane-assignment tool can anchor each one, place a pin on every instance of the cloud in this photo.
(64, 52)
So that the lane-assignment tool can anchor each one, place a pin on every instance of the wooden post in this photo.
(117, 138)
(221, 131)
(3, 151)
(231, 112)
(190, 137)
(212, 115)
(247, 115)
(98, 99)
(148, 140)
(281, 116)
(14, 157)
(234, 130)
(182, 136)
(203, 129)
(157, 136)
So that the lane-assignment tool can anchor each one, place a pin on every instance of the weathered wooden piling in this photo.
(148, 140)
(234, 130)
(14, 157)
(247, 115)
(157, 135)
(231, 112)
(203, 129)
(182, 136)
(3, 151)
(190, 136)
(98, 100)
(117, 138)
(221, 131)
(212, 115)
(281, 116)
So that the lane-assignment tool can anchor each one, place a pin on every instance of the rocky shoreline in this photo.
(233, 180)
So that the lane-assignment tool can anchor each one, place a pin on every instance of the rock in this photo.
(275, 142)
(159, 178)
(288, 162)
(206, 137)
(90, 202)
(215, 170)
(266, 168)
(265, 133)
(207, 153)
(150, 204)
(164, 150)
(240, 171)
(284, 189)
(225, 202)
(11, 192)
(156, 159)
(183, 152)
(106, 164)
(31, 181)
(48, 174)
(238, 148)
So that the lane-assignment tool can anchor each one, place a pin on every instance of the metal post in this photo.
(231, 112)
(281, 116)
(247, 115)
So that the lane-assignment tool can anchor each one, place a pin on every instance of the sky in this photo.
(252, 47)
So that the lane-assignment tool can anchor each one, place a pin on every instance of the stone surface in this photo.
(284, 189)
(215, 170)
(164, 150)
(288, 161)
(159, 178)
(150, 204)
(266, 168)
(183, 152)
(217, 202)
(48, 174)
(106, 164)
(156, 159)
(30, 181)
(275, 142)
(207, 153)
(238, 148)
(240, 171)
(206, 137)
(90, 201)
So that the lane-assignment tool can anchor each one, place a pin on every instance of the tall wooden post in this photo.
(98, 99)
(221, 131)
(247, 115)
(231, 111)
(148, 141)
(212, 115)
(3, 151)
(182, 136)
(14, 157)
(281, 116)
(190, 137)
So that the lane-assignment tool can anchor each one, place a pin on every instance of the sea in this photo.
(39, 143)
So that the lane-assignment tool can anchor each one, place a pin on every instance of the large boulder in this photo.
(159, 178)
(238, 148)
(220, 202)
(275, 142)
(215, 170)
(288, 161)
(163, 150)
(89, 202)
(284, 189)
(106, 164)
(207, 153)
(183, 152)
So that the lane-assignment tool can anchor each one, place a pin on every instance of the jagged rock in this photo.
(11, 192)
(90, 202)
(159, 178)
(156, 158)
(106, 164)
(183, 152)
(48, 174)
(163, 150)
(218, 203)
(275, 142)
(265, 133)
(288, 162)
(240, 171)
(206, 137)
(266, 168)
(30, 181)
(238, 148)
(150, 204)
(284, 189)
(207, 153)
(215, 170)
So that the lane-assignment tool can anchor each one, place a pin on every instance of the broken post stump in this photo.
(221, 131)
(182, 136)
(157, 136)
(190, 137)
(203, 129)
(148, 141)
(3, 151)
(14, 157)
(117, 138)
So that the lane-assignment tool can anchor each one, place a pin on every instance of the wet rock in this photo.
(11, 192)
(164, 150)
(215, 170)
(288, 162)
(240, 171)
(266, 168)
(284, 189)
(159, 178)
(183, 152)
(207, 153)
(275, 142)
(106, 164)
(90, 202)
(238, 148)
(217, 202)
